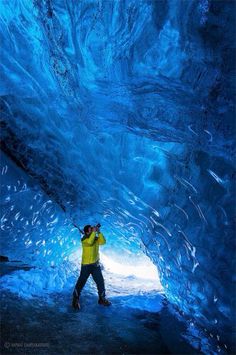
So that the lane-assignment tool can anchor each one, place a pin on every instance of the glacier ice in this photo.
(123, 112)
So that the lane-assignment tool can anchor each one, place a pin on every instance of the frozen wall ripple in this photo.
(124, 111)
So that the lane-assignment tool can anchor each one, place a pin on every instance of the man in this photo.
(91, 241)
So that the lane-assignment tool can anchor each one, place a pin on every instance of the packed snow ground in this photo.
(138, 322)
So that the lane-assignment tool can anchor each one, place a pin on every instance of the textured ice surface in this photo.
(51, 328)
(122, 112)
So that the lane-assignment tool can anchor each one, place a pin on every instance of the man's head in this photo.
(87, 229)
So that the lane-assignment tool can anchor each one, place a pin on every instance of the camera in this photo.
(97, 226)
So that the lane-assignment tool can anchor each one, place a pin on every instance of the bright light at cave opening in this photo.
(144, 271)
(141, 269)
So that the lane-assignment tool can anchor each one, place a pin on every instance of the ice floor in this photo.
(138, 322)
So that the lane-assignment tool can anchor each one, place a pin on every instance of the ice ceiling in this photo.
(122, 112)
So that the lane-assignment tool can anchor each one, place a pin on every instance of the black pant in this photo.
(85, 272)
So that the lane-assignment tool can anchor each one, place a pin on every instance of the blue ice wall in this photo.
(122, 112)
(33, 227)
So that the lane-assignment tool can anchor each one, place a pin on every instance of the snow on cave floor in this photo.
(136, 323)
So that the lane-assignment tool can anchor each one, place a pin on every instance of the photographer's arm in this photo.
(101, 239)
(90, 239)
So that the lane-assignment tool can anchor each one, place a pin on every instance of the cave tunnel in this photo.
(119, 112)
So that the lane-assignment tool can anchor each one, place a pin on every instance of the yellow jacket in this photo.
(90, 248)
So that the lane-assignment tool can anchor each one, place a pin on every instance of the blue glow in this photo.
(122, 112)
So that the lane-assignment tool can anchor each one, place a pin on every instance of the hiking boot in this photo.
(75, 303)
(104, 302)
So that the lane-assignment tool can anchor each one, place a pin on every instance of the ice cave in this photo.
(118, 112)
